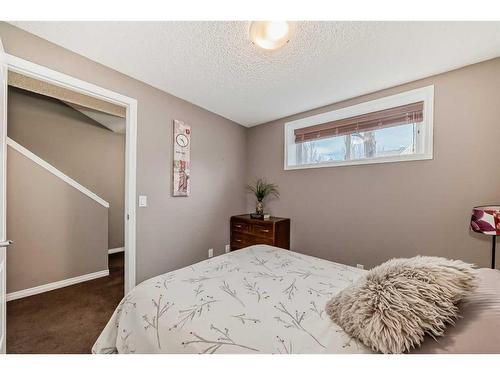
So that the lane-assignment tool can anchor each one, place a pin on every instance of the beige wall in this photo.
(58, 232)
(370, 213)
(356, 214)
(76, 145)
(171, 232)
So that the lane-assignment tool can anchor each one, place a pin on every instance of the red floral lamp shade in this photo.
(486, 220)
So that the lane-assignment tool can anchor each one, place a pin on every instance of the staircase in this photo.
(59, 227)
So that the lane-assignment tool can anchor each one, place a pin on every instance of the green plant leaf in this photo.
(261, 189)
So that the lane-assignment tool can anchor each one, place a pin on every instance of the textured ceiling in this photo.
(214, 65)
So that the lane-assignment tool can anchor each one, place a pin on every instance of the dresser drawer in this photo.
(240, 226)
(240, 240)
(262, 230)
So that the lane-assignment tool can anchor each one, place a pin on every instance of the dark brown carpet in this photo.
(66, 320)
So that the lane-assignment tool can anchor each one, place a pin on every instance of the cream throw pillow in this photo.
(396, 304)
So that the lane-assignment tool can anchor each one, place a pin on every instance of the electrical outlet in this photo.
(228, 248)
(210, 253)
(360, 266)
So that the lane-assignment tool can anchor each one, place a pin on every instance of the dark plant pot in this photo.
(259, 208)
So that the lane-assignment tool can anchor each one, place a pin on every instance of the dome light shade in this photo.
(270, 34)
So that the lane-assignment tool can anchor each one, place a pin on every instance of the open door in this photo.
(3, 173)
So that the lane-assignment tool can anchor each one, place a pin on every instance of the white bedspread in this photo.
(260, 299)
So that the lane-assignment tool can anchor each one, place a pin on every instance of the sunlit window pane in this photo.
(397, 140)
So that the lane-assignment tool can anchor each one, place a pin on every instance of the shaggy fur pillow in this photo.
(396, 304)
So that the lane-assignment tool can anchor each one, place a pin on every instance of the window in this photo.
(394, 128)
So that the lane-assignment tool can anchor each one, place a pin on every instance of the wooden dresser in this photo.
(246, 231)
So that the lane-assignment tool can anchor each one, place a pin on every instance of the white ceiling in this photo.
(214, 65)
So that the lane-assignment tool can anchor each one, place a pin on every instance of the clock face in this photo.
(182, 140)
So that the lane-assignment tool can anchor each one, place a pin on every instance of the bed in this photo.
(263, 299)
(260, 299)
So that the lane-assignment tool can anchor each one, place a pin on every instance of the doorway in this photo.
(79, 87)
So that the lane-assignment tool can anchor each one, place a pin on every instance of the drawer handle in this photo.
(265, 230)
(238, 240)
(237, 226)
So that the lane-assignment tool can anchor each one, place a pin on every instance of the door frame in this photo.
(51, 76)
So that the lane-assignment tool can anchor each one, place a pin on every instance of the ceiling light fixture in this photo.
(270, 34)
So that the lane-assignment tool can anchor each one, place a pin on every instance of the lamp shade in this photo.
(486, 220)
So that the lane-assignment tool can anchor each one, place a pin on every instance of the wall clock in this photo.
(182, 140)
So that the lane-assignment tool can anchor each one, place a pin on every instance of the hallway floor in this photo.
(66, 320)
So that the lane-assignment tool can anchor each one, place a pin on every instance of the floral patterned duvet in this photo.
(260, 299)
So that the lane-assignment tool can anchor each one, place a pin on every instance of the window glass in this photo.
(383, 142)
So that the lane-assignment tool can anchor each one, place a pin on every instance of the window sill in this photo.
(392, 159)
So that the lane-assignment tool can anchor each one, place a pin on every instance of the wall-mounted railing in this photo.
(56, 172)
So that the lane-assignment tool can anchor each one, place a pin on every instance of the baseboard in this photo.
(116, 250)
(56, 285)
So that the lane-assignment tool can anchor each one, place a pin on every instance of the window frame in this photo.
(424, 141)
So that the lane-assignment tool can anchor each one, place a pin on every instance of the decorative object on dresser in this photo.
(246, 231)
(486, 220)
(261, 189)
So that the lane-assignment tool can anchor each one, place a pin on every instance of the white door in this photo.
(3, 167)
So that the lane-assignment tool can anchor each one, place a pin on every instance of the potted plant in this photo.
(261, 189)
